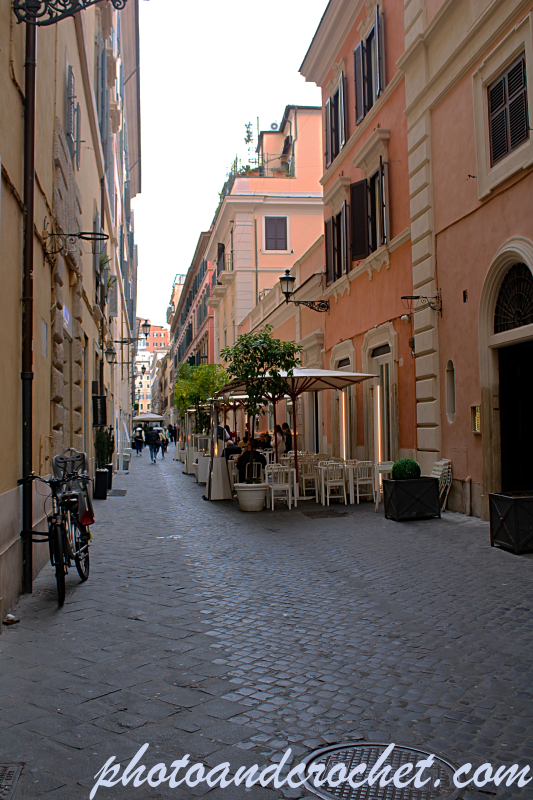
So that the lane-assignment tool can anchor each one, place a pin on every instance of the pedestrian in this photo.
(163, 442)
(288, 437)
(280, 440)
(152, 440)
(139, 441)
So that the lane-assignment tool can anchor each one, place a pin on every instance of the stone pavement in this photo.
(231, 637)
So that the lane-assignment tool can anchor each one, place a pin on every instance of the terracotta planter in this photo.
(251, 496)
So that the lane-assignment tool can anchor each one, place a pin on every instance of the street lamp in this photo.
(145, 332)
(110, 354)
(287, 282)
(47, 12)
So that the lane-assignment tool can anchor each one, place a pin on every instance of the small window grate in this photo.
(514, 307)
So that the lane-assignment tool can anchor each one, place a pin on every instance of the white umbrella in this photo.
(148, 418)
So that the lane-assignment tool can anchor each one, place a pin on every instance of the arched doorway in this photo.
(506, 369)
(514, 310)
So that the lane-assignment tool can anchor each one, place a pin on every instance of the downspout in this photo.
(294, 142)
(27, 304)
(468, 498)
(256, 263)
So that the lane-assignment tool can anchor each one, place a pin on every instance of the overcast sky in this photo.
(207, 68)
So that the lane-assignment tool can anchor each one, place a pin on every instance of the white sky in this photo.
(207, 68)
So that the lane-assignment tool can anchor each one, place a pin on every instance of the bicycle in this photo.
(68, 531)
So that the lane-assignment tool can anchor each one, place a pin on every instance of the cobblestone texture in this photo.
(233, 636)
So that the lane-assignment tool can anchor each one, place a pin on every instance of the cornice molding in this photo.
(338, 20)
(338, 194)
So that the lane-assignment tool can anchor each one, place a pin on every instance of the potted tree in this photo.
(511, 520)
(256, 359)
(101, 475)
(407, 495)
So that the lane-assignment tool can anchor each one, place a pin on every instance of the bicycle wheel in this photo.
(81, 543)
(59, 563)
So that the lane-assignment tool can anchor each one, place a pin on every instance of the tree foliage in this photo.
(194, 386)
(256, 359)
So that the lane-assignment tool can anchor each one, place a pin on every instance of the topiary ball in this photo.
(404, 469)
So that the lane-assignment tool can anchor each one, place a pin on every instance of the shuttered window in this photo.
(359, 220)
(336, 132)
(78, 136)
(276, 233)
(508, 117)
(70, 112)
(369, 68)
(330, 272)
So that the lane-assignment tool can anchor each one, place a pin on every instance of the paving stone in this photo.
(252, 633)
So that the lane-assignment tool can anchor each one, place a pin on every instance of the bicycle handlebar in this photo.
(70, 476)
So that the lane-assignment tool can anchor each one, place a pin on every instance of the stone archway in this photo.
(515, 250)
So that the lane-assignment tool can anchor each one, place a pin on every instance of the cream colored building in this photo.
(87, 170)
(266, 221)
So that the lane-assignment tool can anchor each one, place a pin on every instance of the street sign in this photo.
(99, 411)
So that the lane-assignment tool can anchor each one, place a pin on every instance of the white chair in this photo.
(306, 468)
(335, 480)
(254, 471)
(278, 480)
(320, 469)
(349, 473)
(442, 470)
(381, 468)
(364, 478)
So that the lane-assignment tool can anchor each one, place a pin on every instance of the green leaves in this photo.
(195, 385)
(256, 355)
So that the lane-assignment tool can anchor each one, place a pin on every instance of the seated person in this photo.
(264, 441)
(244, 442)
(231, 450)
(245, 459)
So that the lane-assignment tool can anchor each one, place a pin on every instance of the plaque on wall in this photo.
(99, 411)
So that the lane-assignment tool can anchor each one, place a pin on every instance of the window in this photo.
(337, 245)
(276, 233)
(73, 119)
(369, 69)
(508, 123)
(335, 122)
(368, 201)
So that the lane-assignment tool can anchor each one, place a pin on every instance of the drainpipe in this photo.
(256, 264)
(468, 498)
(27, 303)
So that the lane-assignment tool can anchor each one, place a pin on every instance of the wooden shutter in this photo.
(70, 121)
(330, 265)
(281, 233)
(359, 77)
(345, 233)
(382, 186)
(113, 299)
(78, 136)
(342, 112)
(379, 52)
(327, 122)
(516, 92)
(498, 121)
(359, 219)
(270, 233)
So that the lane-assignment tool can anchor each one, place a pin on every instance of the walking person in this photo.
(139, 441)
(163, 441)
(152, 440)
(280, 440)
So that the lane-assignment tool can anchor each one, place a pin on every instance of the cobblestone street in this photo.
(232, 637)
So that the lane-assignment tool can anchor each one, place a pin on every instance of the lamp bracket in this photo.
(48, 12)
(316, 305)
(416, 302)
(67, 242)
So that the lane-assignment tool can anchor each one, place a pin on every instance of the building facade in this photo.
(87, 170)
(268, 217)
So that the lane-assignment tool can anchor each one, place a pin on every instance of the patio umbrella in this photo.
(307, 380)
(148, 418)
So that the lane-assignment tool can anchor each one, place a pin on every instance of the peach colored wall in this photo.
(432, 6)
(464, 254)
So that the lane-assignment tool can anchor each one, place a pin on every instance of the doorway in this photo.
(516, 390)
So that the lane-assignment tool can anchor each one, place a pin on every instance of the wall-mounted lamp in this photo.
(287, 282)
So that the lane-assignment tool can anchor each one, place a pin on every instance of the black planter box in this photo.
(511, 521)
(415, 498)
(109, 468)
(101, 477)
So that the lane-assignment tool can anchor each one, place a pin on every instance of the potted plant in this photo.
(110, 445)
(407, 495)
(101, 476)
(256, 359)
(511, 520)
